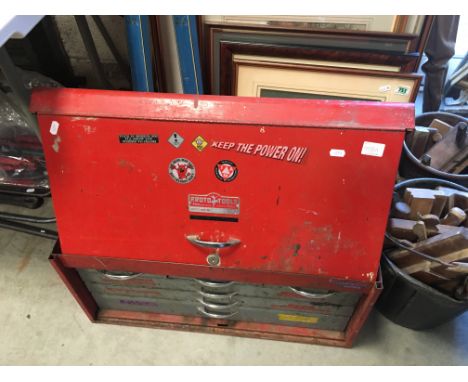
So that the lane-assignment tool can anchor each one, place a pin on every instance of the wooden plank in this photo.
(426, 265)
(442, 244)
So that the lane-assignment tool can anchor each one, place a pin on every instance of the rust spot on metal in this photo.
(56, 145)
(83, 119)
(88, 129)
(126, 164)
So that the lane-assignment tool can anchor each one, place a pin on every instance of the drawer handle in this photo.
(217, 296)
(120, 275)
(195, 239)
(214, 284)
(215, 315)
(311, 295)
(216, 306)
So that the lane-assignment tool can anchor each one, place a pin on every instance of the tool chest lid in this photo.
(224, 109)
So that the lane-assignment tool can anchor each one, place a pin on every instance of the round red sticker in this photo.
(226, 171)
(182, 170)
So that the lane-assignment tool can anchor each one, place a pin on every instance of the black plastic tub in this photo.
(412, 304)
(411, 167)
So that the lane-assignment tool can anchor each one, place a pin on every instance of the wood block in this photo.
(423, 201)
(450, 241)
(445, 150)
(420, 139)
(429, 278)
(455, 217)
(443, 127)
(456, 198)
(420, 231)
(426, 265)
(403, 229)
(458, 163)
(462, 165)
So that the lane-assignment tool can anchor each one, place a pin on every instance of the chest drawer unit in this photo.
(244, 216)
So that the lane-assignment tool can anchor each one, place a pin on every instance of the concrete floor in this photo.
(41, 324)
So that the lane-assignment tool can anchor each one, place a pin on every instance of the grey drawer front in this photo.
(244, 290)
(192, 296)
(280, 317)
(142, 281)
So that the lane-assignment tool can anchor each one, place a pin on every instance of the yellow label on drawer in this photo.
(297, 318)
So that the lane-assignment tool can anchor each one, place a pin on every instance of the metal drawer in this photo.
(212, 287)
(193, 296)
(242, 313)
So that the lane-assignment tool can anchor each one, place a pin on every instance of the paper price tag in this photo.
(373, 149)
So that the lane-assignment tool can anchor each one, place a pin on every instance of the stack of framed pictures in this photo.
(331, 57)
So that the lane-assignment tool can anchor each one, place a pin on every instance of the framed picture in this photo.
(221, 72)
(412, 41)
(363, 23)
(258, 80)
(383, 43)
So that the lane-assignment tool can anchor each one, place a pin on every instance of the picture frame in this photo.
(384, 43)
(220, 81)
(362, 23)
(258, 80)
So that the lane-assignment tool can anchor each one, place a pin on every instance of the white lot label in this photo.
(54, 126)
(385, 88)
(337, 153)
(373, 149)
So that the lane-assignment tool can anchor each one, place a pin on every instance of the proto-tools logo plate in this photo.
(214, 203)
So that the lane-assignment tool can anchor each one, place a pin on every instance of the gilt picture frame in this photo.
(361, 23)
(258, 80)
(220, 81)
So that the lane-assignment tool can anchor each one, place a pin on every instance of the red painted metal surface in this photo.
(316, 214)
(212, 273)
(225, 109)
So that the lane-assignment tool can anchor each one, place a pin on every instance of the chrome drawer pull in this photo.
(120, 275)
(215, 315)
(216, 306)
(214, 284)
(217, 296)
(195, 239)
(311, 295)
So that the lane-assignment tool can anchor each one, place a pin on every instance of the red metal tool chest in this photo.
(239, 193)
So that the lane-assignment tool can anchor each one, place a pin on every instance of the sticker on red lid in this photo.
(337, 153)
(54, 126)
(373, 149)
(175, 140)
(226, 171)
(199, 143)
(214, 203)
(182, 170)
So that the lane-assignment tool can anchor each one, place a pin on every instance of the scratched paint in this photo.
(89, 129)
(83, 119)
(56, 144)
(126, 164)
